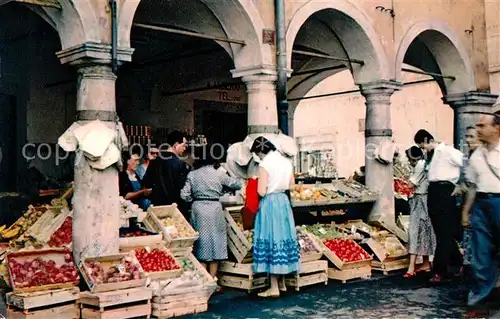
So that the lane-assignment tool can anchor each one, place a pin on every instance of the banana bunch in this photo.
(23, 223)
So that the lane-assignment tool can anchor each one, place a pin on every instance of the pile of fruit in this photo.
(40, 272)
(64, 235)
(248, 233)
(125, 270)
(155, 260)
(304, 193)
(402, 187)
(391, 244)
(306, 244)
(129, 209)
(324, 231)
(23, 223)
(180, 227)
(346, 249)
(137, 233)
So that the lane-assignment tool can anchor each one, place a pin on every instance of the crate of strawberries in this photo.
(38, 270)
(113, 272)
(157, 262)
(137, 236)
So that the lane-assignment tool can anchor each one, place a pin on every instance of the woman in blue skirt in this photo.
(276, 250)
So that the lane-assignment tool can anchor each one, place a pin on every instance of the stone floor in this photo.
(379, 297)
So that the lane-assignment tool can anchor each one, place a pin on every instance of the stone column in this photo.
(96, 195)
(467, 108)
(262, 104)
(379, 177)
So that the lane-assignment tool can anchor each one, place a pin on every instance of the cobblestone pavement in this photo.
(379, 297)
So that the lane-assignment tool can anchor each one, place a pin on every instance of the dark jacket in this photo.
(126, 185)
(166, 175)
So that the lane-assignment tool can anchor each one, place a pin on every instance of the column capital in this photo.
(259, 70)
(93, 53)
(379, 89)
(471, 102)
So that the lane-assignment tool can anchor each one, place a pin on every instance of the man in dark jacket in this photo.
(167, 174)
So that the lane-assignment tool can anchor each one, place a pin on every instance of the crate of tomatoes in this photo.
(137, 235)
(158, 262)
(338, 246)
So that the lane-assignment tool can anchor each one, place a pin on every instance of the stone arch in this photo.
(75, 23)
(354, 30)
(448, 51)
(249, 27)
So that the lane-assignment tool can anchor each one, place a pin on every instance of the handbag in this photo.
(249, 211)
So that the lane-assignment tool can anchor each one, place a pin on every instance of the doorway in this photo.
(8, 154)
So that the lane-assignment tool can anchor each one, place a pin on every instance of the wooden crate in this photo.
(47, 225)
(127, 303)
(314, 255)
(107, 262)
(68, 311)
(339, 263)
(209, 280)
(310, 273)
(139, 241)
(382, 254)
(182, 301)
(391, 265)
(157, 275)
(30, 301)
(238, 244)
(241, 276)
(153, 222)
(55, 254)
(351, 273)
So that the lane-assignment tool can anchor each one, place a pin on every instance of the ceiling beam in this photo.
(188, 33)
(436, 75)
(41, 3)
(328, 57)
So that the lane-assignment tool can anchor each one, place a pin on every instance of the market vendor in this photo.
(131, 187)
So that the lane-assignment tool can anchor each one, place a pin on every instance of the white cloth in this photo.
(445, 164)
(279, 170)
(480, 174)
(419, 178)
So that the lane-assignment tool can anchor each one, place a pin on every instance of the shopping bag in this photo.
(249, 211)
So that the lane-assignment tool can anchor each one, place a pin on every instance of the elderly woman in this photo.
(276, 250)
(204, 187)
(130, 184)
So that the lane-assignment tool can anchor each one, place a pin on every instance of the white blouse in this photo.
(279, 170)
(419, 178)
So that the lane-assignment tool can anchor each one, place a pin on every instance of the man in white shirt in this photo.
(443, 174)
(483, 198)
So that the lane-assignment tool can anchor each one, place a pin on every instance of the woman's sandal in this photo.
(409, 275)
(420, 270)
(269, 294)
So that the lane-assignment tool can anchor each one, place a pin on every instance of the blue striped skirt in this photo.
(276, 250)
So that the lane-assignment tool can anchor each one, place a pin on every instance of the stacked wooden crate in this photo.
(173, 299)
(339, 269)
(56, 303)
(239, 273)
(178, 296)
(388, 251)
(42, 295)
(110, 300)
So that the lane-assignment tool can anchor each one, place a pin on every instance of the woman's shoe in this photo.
(409, 275)
(425, 270)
